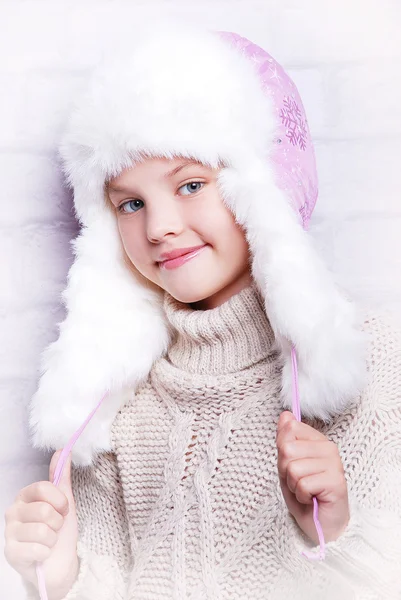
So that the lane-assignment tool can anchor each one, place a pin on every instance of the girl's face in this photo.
(178, 233)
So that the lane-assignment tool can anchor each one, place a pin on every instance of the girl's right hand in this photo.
(41, 526)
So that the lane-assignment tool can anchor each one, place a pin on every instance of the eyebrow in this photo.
(165, 176)
(177, 169)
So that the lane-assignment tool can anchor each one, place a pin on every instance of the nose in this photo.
(163, 220)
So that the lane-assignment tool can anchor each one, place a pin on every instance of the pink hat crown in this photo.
(293, 155)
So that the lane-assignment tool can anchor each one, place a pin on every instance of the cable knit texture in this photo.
(189, 506)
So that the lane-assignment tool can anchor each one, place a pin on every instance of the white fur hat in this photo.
(214, 97)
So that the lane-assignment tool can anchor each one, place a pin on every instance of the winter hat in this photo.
(217, 98)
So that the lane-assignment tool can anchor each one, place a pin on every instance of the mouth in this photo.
(176, 258)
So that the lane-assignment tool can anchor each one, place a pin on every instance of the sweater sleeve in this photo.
(365, 561)
(103, 546)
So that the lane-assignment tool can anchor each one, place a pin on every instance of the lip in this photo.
(178, 252)
(176, 258)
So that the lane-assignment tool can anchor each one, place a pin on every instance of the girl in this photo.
(198, 310)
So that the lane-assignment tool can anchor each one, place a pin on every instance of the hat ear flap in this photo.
(115, 324)
(304, 305)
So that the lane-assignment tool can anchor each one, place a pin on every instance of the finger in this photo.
(324, 486)
(297, 469)
(297, 429)
(39, 512)
(285, 459)
(24, 553)
(44, 491)
(284, 418)
(303, 449)
(294, 430)
(39, 533)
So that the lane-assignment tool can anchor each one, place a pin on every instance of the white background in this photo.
(344, 57)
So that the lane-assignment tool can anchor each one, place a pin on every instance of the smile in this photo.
(180, 260)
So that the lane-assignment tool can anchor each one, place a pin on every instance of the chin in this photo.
(189, 298)
(192, 293)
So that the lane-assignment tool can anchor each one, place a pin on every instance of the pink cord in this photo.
(296, 409)
(62, 459)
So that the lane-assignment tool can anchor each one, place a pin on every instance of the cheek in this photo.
(132, 240)
(228, 237)
(238, 248)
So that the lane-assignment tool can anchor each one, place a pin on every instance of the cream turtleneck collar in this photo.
(228, 338)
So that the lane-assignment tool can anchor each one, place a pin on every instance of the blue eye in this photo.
(135, 205)
(132, 206)
(192, 183)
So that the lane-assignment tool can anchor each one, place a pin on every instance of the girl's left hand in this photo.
(310, 465)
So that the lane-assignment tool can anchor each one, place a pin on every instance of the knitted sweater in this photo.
(188, 504)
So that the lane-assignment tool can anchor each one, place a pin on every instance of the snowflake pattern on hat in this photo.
(293, 154)
(291, 117)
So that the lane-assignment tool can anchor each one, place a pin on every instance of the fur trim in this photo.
(113, 332)
(115, 327)
(114, 124)
(304, 306)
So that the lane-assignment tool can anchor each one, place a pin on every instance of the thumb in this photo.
(65, 479)
(284, 418)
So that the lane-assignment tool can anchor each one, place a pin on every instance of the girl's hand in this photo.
(41, 525)
(310, 465)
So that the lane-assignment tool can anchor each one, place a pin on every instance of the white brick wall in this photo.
(344, 57)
